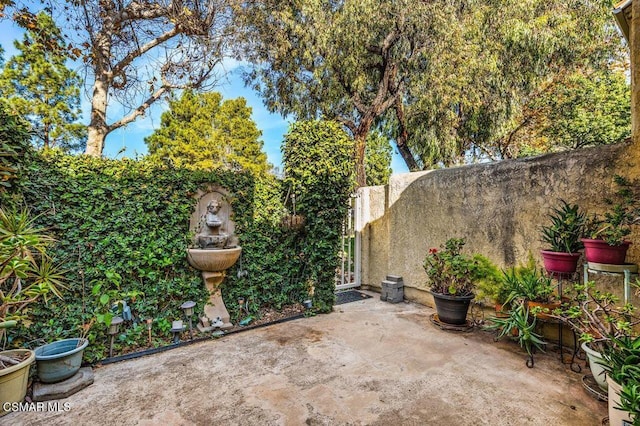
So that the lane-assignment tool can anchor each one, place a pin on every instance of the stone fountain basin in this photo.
(213, 260)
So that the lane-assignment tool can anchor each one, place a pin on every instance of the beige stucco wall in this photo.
(497, 207)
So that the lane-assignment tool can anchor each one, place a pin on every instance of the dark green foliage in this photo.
(630, 400)
(318, 167)
(378, 159)
(623, 211)
(520, 326)
(14, 145)
(527, 283)
(452, 273)
(122, 232)
(566, 228)
(38, 86)
(621, 361)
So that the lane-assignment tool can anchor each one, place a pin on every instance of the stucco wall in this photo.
(497, 207)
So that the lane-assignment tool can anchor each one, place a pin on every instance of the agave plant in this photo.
(521, 326)
(566, 228)
(27, 273)
(615, 224)
(527, 283)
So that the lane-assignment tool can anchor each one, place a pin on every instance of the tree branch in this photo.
(126, 61)
(349, 124)
(140, 110)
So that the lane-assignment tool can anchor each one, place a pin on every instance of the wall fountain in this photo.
(215, 250)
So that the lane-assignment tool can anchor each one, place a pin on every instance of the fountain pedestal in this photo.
(213, 263)
(215, 307)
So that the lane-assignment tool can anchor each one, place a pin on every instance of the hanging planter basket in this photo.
(292, 221)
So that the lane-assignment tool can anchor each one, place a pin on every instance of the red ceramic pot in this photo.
(598, 251)
(560, 263)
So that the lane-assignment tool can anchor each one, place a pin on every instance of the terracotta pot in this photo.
(452, 309)
(501, 311)
(560, 263)
(543, 315)
(597, 251)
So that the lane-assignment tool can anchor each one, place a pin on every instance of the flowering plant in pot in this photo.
(605, 235)
(452, 278)
(562, 237)
(27, 275)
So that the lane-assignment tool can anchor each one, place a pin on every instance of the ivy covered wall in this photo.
(122, 228)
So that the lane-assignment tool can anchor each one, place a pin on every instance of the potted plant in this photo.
(452, 277)
(598, 319)
(605, 242)
(630, 400)
(621, 362)
(536, 290)
(27, 275)
(562, 236)
(520, 326)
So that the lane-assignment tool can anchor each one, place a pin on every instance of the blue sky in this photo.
(129, 141)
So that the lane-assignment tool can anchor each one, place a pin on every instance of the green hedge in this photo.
(123, 225)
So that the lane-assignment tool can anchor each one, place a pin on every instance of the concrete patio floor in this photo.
(369, 362)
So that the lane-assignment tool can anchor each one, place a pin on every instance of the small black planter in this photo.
(452, 309)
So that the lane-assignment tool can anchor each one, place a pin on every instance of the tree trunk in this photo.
(45, 139)
(361, 172)
(97, 129)
(360, 138)
(403, 137)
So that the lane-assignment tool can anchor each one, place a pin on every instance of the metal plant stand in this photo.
(575, 367)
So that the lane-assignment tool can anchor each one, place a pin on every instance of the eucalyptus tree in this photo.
(340, 60)
(483, 95)
(378, 159)
(38, 86)
(580, 110)
(201, 131)
(447, 81)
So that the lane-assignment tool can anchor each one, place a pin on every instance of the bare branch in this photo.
(140, 110)
(126, 61)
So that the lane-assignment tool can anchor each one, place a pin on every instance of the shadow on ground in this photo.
(368, 363)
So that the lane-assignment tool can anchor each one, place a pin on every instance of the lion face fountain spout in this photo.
(216, 252)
